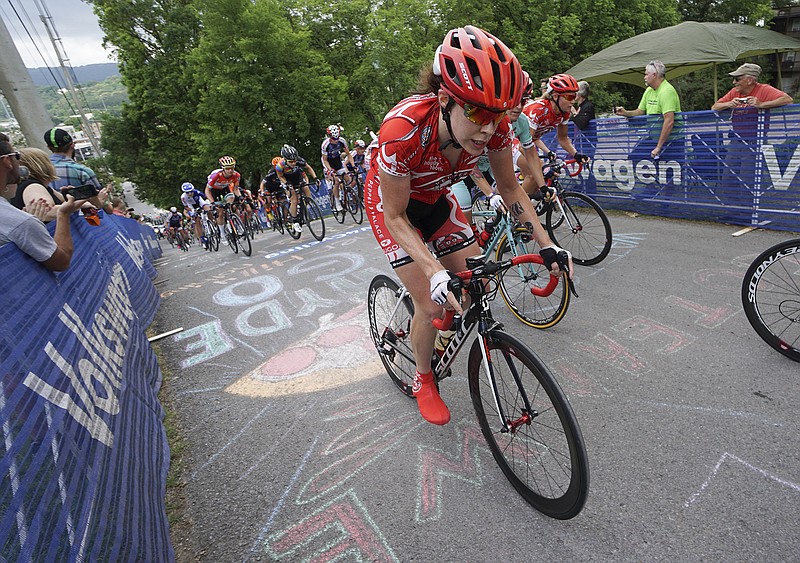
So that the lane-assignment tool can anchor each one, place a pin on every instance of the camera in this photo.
(81, 192)
(741, 100)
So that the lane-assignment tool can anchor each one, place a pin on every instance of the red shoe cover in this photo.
(430, 404)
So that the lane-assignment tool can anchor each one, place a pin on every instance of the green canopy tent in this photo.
(683, 48)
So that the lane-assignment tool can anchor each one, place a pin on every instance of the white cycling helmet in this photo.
(333, 131)
(173, 209)
(360, 143)
(187, 186)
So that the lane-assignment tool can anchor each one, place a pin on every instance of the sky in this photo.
(75, 24)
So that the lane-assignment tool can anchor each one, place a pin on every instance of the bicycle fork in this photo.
(569, 216)
(528, 414)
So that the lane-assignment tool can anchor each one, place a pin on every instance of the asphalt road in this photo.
(300, 448)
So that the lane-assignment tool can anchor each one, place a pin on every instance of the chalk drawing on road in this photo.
(574, 381)
(627, 241)
(438, 467)
(708, 317)
(640, 328)
(369, 435)
(339, 352)
(208, 341)
(621, 245)
(727, 457)
(603, 347)
(719, 280)
(340, 530)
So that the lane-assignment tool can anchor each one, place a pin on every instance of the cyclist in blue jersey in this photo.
(193, 201)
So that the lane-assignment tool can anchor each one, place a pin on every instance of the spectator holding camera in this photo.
(69, 172)
(748, 92)
(745, 99)
(36, 187)
(25, 230)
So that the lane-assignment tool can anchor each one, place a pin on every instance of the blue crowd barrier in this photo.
(85, 454)
(739, 167)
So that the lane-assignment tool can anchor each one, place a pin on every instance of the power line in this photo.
(35, 43)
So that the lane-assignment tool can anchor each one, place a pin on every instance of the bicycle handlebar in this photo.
(488, 269)
(558, 165)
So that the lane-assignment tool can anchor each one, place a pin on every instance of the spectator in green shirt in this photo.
(660, 98)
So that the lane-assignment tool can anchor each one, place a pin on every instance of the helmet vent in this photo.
(450, 69)
(475, 73)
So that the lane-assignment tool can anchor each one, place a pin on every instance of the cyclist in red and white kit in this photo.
(426, 143)
(222, 181)
(551, 111)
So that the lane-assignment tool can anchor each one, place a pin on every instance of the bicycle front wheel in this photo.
(354, 205)
(242, 235)
(214, 237)
(583, 228)
(534, 437)
(517, 283)
(341, 213)
(771, 297)
(390, 327)
(278, 218)
(230, 236)
(313, 218)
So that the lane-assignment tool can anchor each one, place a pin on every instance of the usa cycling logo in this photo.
(425, 136)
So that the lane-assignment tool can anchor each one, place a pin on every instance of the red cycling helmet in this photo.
(562, 84)
(527, 85)
(478, 69)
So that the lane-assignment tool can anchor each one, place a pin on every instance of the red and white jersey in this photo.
(408, 145)
(543, 118)
(218, 181)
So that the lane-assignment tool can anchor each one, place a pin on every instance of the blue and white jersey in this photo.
(194, 198)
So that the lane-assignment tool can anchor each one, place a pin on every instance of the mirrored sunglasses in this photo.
(482, 116)
(569, 97)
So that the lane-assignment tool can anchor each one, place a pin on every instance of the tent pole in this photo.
(716, 97)
(780, 80)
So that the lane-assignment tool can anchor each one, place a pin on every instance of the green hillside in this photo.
(98, 98)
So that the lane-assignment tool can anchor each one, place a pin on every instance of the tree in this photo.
(150, 141)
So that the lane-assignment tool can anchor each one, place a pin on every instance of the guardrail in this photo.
(85, 454)
(740, 167)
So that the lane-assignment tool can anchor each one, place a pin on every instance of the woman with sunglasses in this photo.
(552, 111)
(426, 143)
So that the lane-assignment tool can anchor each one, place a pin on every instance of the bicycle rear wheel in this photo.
(583, 229)
(534, 438)
(390, 327)
(242, 236)
(354, 205)
(516, 284)
(771, 297)
(314, 219)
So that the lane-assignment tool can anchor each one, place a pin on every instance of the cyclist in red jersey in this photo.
(220, 182)
(551, 111)
(426, 143)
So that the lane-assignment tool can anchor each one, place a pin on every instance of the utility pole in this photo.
(66, 69)
(17, 87)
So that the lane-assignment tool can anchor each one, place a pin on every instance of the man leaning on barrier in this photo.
(664, 143)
